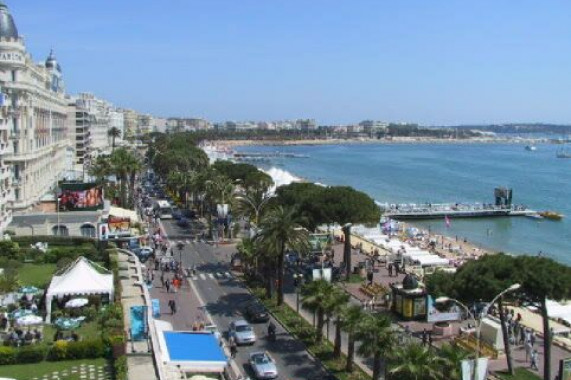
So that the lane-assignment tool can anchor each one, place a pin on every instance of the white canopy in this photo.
(430, 260)
(80, 278)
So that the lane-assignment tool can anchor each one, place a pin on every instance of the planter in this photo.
(442, 328)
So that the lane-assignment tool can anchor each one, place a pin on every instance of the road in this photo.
(224, 298)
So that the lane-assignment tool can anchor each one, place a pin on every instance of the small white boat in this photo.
(534, 216)
(530, 148)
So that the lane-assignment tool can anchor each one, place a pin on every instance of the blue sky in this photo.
(432, 62)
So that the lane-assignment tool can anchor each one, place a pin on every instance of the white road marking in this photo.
(202, 276)
(211, 275)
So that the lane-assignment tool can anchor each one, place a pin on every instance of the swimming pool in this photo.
(138, 323)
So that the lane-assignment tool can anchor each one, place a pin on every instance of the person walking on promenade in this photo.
(168, 285)
(534, 360)
(391, 270)
(424, 337)
(233, 347)
(173, 306)
(528, 350)
(521, 335)
(532, 338)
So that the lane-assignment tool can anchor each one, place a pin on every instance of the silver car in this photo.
(242, 332)
(263, 365)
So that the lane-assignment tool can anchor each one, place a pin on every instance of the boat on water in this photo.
(551, 215)
(534, 216)
(530, 148)
(563, 153)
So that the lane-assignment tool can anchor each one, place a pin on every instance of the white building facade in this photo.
(33, 127)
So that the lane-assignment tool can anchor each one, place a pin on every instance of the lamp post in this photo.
(483, 313)
(257, 208)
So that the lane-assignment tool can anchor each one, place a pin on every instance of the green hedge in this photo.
(8, 355)
(120, 368)
(60, 350)
(55, 240)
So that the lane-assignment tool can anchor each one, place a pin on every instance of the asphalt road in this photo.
(225, 297)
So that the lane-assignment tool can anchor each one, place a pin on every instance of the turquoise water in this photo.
(419, 173)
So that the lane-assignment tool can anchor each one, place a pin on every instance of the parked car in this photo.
(242, 332)
(263, 365)
(256, 313)
(190, 214)
(146, 251)
(176, 214)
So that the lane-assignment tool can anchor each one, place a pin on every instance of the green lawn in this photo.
(90, 330)
(38, 275)
(520, 374)
(38, 370)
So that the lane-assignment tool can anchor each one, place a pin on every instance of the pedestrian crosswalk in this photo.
(213, 276)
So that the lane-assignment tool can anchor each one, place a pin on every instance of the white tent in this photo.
(82, 277)
(430, 260)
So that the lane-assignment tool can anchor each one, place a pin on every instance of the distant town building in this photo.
(131, 121)
(306, 125)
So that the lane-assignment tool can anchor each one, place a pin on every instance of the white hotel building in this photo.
(33, 129)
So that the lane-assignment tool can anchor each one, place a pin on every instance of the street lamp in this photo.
(483, 313)
(257, 208)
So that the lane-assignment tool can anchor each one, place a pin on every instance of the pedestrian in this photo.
(528, 350)
(173, 306)
(534, 360)
(521, 335)
(424, 337)
(532, 338)
(170, 306)
(233, 348)
(430, 339)
(168, 286)
(390, 270)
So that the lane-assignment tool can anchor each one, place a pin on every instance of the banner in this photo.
(119, 226)
(445, 311)
(78, 196)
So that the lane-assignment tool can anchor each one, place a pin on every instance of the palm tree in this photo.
(452, 357)
(415, 362)
(125, 165)
(316, 296)
(100, 169)
(350, 318)
(248, 254)
(336, 305)
(113, 132)
(377, 338)
(279, 230)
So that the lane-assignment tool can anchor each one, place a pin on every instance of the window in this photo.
(87, 230)
(60, 230)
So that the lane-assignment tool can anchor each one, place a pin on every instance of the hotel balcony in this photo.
(5, 147)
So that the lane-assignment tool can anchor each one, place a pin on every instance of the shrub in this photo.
(31, 354)
(58, 351)
(7, 355)
(120, 368)
(86, 349)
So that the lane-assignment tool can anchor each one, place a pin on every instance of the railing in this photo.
(469, 342)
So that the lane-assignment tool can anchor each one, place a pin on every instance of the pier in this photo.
(502, 207)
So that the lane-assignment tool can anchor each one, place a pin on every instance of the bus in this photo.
(163, 209)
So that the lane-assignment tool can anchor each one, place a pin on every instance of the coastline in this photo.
(395, 140)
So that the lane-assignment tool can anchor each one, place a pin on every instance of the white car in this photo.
(242, 332)
(263, 365)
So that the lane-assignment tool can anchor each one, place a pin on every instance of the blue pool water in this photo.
(186, 346)
(138, 324)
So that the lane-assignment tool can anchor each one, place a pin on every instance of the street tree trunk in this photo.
(546, 341)
(507, 346)
(319, 328)
(350, 352)
(337, 344)
(347, 252)
(281, 275)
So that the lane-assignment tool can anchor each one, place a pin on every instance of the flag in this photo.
(447, 221)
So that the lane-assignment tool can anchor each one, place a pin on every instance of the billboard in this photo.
(79, 196)
(119, 226)
(445, 311)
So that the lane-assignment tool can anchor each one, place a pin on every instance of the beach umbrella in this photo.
(18, 313)
(29, 290)
(29, 320)
(76, 302)
(67, 323)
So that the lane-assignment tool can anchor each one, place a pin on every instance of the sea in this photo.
(447, 173)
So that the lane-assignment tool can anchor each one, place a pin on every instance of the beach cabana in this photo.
(82, 277)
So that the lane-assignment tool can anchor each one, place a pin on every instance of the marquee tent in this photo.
(82, 277)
